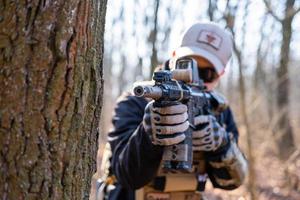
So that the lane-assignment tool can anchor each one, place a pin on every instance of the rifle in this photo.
(181, 85)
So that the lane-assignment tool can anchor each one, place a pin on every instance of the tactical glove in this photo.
(166, 125)
(211, 135)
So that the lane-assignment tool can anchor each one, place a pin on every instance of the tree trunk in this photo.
(230, 19)
(212, 7)
(251, 159)
(153, 39)
(50, 97)
(284, 137)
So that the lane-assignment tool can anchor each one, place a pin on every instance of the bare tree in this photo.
(229, 16)
(153, 38)
(260, 74)
(50, 97)
(212, 8)
(284, 134)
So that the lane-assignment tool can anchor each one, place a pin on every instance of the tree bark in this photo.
(50, 97)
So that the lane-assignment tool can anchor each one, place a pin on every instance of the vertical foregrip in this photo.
(189, 131)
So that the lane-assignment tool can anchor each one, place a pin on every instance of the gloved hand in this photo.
(166, 125)
(211, 136)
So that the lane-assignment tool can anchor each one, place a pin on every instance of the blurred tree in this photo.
(284, 132)
(153, 38)
(50, 97)
(260, 74)
(230, 16)
(212, 8)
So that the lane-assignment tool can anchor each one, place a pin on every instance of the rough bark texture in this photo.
(50, 97)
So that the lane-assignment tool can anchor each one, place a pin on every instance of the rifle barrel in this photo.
(152, 92)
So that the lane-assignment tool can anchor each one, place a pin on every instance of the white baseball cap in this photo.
(209, 41)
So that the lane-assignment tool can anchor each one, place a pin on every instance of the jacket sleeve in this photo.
(135, 160)
(227, 167)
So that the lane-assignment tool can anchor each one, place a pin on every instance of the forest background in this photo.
(261, 81)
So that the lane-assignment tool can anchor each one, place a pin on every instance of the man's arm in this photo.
(227, 167)
(135, 159)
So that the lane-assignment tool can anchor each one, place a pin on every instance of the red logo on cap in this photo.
(210, 38)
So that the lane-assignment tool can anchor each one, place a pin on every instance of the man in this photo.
(137, 148)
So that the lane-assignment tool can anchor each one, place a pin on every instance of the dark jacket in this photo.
(135, 160)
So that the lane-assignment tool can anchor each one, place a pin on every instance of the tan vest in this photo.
(179, 186)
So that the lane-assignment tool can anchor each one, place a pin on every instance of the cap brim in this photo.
(195, 51)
